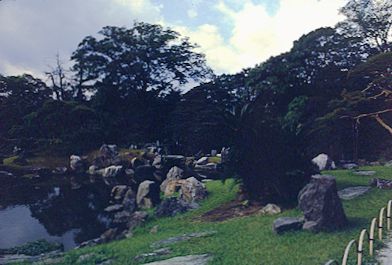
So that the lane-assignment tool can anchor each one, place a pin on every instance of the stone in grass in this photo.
(185, 237)
(188, 260)
(352, 192)
(157, 253)
(271, 209)
(284, 224)
(364, 172)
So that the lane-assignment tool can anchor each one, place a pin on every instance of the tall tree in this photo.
(370, 20)
(145, 57)
(58, 80)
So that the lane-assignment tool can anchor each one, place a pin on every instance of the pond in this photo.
(57, 209)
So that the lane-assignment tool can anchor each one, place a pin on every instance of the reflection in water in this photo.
(62, 214)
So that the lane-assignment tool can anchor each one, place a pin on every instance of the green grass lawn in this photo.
(249, 240)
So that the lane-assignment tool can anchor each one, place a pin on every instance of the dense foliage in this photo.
(330, 93)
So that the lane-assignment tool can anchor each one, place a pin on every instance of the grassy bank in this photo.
(248, 240)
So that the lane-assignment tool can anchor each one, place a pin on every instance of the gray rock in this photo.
(111, 172)
(349, 165)
(157, 162)
(129, 202)
(202, 161)
(185, 237)
(118, 192)
(185, 260)
(284, 224)
(352, 192)
(114, 208)
(320, 203)
(364, 173)
(77, 164)
(388, 164)
(60, 171)
(148, 194)
(108, 151)
(324, 162)
(137, 218)
(381, 183)
(192, 190)
(175, 173)
(271, 209)
(157, 253)
(172, 206)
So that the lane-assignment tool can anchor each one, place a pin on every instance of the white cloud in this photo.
(257, 35)
(192, 13)
(33, 32)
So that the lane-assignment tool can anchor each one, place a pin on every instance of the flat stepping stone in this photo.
(365, 173)
(185, 237)
(284, 224)
(155, 254)
(185, 260)
(352, 192)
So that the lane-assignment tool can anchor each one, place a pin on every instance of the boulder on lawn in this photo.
(192, 190)
(284, 224)
(174, 174)
(171, 186)
(171, 207)
(321, 204)
(324, 162)
(148, 194)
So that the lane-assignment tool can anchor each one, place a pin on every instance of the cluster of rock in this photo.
(321, 205)
(137, 185)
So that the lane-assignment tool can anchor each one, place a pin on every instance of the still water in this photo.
(57, 212)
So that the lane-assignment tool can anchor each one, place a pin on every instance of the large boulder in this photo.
(321, 205)
(171, 181)
(324, 162)
(148, 194)
(171, 186)
(192, 190)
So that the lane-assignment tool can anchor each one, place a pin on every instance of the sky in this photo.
(233, 34)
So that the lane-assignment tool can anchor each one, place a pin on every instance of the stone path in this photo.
(352, 192)
(185, 260)
(384, 256)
